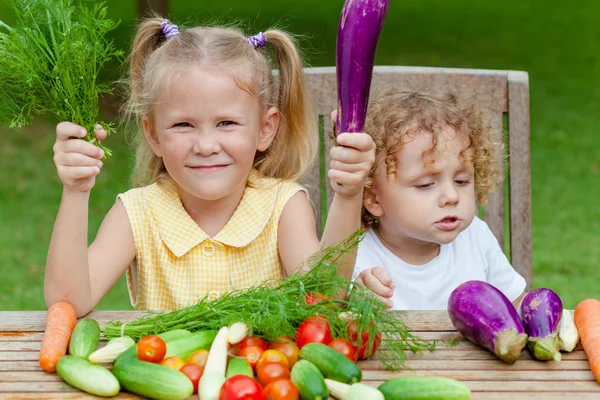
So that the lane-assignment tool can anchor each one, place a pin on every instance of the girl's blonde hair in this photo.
(393, 115)
(156, 61)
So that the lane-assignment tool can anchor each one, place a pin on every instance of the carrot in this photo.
(587, 321)
(60, 322)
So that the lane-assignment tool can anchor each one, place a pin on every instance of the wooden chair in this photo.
(499, 94)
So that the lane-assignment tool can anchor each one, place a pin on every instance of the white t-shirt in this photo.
(474, 255)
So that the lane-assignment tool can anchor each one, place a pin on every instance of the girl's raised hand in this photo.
(77, 161)
(351, 162)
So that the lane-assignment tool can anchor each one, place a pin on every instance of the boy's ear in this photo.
(371, 202)
(151, 136)
(268, 128)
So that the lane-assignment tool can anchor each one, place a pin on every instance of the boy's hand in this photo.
(351, 162)
(77, 161)
(378, 281)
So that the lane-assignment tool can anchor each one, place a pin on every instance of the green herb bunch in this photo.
(271, 311)
(50, 60)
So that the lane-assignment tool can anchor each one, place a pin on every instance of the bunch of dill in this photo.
(50, 60)
(271, 311)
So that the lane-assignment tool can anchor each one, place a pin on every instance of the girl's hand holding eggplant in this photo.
(77, 161)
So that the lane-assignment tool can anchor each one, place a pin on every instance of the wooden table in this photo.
(22, 378)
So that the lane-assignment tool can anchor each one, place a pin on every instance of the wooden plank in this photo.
(486, 88)
(329, 143)
(562, 395)
(497, 375)
(494, 210)
(520, 178)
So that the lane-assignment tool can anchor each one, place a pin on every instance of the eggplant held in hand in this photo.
(541, 310)
(485, 316)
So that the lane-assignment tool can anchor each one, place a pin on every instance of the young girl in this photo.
(434, 161)
(219, 148)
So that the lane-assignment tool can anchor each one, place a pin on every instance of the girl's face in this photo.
(428, 202)
(207, 131)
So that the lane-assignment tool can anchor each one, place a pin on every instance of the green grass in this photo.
(556, 42)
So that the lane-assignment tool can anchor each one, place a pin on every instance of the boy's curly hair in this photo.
(392, 115)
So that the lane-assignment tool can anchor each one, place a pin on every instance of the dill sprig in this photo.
(275, 310)
(50, 60)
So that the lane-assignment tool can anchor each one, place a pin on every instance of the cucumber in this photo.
(151, 380)
(85, 338)
(424, 388)
(309, 381)
(87, 377)
(239, 366)
(168, 336)
(332, 364)
(185, 346)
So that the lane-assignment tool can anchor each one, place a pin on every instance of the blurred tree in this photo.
(146, 7)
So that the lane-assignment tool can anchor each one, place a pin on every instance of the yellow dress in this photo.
(177, 263)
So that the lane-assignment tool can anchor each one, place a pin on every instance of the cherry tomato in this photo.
(313, 329)
(174, 362)
(363, 352)
(151, 348)
(193, 372)
(198, 358)
(271, 356)
(315, 298)
(345, 347)
(269, 372)
(253, 341)
(287, 347)
(241, 387)
(252, 355)
(281, 389)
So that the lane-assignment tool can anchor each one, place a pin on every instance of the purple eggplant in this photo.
(360, 24)
(541, 311)
(484, 315)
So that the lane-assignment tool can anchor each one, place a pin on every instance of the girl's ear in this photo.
(151, 136)
(371, 202)
(268, 128)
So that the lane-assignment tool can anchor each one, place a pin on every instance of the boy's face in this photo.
(432, 199)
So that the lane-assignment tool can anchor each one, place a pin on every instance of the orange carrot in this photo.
(587, 321)
(60, 322)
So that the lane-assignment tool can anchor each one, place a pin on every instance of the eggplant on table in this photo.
(485, 316)
(542, 311)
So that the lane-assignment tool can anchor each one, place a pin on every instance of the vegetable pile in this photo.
(486, 317)
(50, 61)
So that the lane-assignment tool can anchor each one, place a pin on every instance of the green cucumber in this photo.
(185, 346)
(87, 377)
(424, 388)
(151, 380)
(168, 336)
(239, 366)
(85, 338)
(332, 364)
(309, 381)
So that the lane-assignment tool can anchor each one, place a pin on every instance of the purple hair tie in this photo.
(258, 41)
(169, 29)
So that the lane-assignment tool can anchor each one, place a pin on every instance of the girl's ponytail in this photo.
(294, 148)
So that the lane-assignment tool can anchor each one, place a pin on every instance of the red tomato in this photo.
(287, 347)
(151, 348)
(363, 351)
(270, 372)
(252, 354)
(281, 389)
(345, 347)
(313, 329)
(241, 387)
(174, 362)
(252, 341)
(271, 356)
(315, 298)
(193, 372)
(198, 357)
